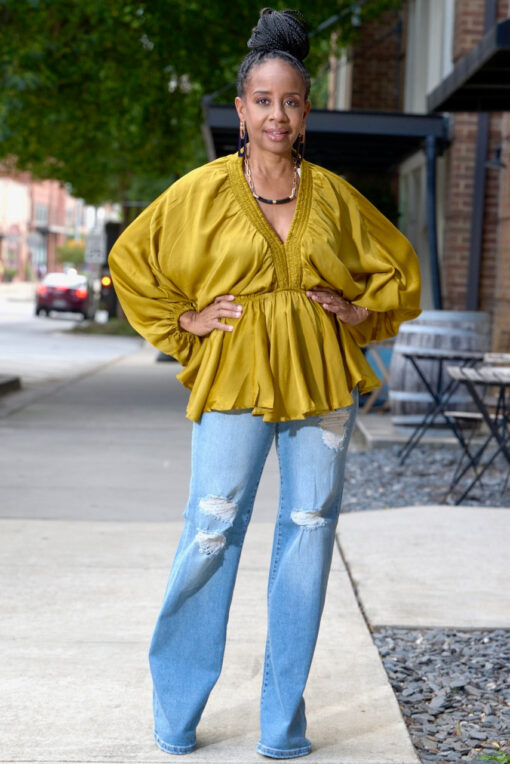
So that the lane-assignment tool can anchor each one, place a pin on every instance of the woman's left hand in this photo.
(333, 301)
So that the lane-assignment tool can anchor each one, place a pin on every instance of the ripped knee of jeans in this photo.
(217, 515)
(210, 543)
(309, 518)
(222, 508)
(334, 427)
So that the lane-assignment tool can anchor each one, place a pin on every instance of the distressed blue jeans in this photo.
(229, 450)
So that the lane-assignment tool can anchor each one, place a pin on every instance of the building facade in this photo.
(36, 217)
(397, 62)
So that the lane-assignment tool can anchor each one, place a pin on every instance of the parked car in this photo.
(69, 292)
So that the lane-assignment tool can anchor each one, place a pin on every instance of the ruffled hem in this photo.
(290, 360)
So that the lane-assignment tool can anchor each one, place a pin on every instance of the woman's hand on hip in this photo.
(333, 301)
(202, 322)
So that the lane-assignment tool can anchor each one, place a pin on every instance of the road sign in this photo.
(95, 246)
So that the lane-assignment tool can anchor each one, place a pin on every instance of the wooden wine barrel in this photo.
(443, 329)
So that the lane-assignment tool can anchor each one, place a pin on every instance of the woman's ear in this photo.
(239, 104)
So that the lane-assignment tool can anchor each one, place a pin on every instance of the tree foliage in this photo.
(106, 94)
(71, 253)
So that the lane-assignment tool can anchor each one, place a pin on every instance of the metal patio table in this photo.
(441, 389)
(497, 422)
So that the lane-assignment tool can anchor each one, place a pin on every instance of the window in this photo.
(428, 49)
(41, 214)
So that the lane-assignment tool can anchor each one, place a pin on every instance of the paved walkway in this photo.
(80, 602)
(94, 481)
(440, 566)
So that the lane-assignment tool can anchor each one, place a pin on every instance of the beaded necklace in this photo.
(284, 200)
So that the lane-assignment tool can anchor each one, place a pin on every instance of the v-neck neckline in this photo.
(257, 217)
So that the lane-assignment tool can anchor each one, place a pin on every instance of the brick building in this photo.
(36, 217)
(399, 60)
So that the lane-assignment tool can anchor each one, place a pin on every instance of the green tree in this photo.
(72, 253)
(106, 94)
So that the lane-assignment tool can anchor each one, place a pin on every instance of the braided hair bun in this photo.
(278, 34)
(280, 30)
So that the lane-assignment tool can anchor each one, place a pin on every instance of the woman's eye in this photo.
(289, 101)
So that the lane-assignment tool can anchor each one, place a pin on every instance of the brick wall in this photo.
(490, 246)
(501, 315)
(378, 68)
(377, 52)
(501, 297)
(468, 26)
(53, 195)
(468, 30)
(377, 84)
(459, 199)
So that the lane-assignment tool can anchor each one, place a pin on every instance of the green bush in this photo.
(71, 253)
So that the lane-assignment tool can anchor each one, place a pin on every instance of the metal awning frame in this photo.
(479, 80)
(400, 135)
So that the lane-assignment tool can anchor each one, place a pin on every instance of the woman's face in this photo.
(274, 107)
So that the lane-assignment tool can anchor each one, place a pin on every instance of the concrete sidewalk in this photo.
(94, 483)
(442, 566)
(80, 601)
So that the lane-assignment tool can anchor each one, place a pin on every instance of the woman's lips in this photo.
(276, 136)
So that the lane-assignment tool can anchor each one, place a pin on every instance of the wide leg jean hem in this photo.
(178, 749)
(283, 753)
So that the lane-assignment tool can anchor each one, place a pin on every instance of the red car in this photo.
(66, 292)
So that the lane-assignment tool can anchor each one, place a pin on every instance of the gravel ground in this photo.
(453, 688)
(423, 479)
(452, 685)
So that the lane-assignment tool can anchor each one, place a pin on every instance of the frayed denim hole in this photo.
(334, 427)
(220, 507)
(308, 518)
(210, 543)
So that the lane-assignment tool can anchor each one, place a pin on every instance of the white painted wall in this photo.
(428, 49)
(428, 61)
(344, 81)
(14, 203)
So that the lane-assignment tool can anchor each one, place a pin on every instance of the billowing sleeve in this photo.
(384, 270)
(151, 298)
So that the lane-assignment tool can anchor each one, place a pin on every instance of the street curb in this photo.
(378, 431)
(9, 384)
(19, 403)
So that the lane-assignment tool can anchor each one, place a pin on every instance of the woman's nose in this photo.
(279, 112)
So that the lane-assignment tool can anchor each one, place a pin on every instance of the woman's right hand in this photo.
(202, 322)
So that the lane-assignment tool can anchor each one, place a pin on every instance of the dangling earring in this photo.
(242, 138)
(300, 148)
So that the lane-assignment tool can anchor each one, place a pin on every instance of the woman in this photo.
(262, 273)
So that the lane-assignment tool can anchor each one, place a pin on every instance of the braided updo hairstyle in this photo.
(278, 34)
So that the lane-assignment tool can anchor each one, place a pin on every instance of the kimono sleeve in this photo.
(385, 268)
(151, 299)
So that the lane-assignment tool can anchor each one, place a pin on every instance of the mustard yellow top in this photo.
(287, 357)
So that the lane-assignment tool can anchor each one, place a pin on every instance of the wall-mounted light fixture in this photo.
(496, 163)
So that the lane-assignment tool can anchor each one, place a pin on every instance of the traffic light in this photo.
(108, 296)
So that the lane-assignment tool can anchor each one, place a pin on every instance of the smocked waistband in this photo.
(263, 295)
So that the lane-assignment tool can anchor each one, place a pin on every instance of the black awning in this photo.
(342, 140)
(480, 81)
